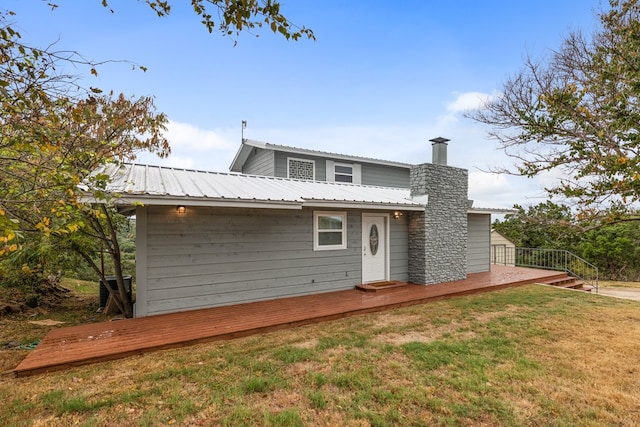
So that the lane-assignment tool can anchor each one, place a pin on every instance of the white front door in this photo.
(375, 250)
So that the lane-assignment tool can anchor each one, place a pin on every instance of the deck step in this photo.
(380, 286)
(567, 282)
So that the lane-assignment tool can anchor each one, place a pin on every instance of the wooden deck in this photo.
(84, 344)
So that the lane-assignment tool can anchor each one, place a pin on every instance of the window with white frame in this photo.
(329, 230)
(301, 169)
(343, 173)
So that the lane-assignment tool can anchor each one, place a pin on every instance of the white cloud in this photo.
(485, 183)
(465, 101)
(197, 148)
(469, 101)
(188, 136)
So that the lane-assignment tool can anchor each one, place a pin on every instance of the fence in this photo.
(548, 259)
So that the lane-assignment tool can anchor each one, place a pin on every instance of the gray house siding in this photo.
(211, 257)
(259, 162)
(385, 176)
(371, 174)
(478, 254)
(399, 248)
(281, 164)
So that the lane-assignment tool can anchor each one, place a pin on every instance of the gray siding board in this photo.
(385, 176)
(140, 309)
(479, 243)
(252, 270)
(217, 299)
(371, 174)
(230, 262)
(224, 256)
(231, 282)
(399, 248)
(260, 162)
(281, 164)
(215, 256)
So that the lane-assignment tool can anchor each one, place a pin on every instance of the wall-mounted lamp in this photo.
(181, 209)
(397, 214)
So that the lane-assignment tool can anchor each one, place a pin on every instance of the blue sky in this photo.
(380, 81)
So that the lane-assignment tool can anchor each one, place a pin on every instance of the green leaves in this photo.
(53, 135)
(577, 113)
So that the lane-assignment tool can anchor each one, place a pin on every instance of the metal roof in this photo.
(248, 144)
(158, 185)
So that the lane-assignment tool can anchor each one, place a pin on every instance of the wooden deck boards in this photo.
(79, 345)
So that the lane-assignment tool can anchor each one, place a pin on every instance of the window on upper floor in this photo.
(301, 168)
(344, 172)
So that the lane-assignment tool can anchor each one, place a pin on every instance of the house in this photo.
(207, 239)
(502, 249)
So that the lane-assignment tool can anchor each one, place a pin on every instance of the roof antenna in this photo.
(244, 126)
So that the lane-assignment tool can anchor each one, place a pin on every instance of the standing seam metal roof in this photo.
(135, 181)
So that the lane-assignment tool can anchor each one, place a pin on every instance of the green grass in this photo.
(527, 356)
(78, 286)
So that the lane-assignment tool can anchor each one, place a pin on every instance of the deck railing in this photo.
(548, 259)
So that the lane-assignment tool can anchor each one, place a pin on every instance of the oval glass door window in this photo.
(373, 239)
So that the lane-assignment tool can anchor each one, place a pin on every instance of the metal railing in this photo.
(548, 259)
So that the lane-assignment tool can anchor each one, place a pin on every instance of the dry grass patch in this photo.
(618, 284)
(596, 364)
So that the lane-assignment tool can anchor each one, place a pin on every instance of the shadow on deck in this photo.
(79, 345)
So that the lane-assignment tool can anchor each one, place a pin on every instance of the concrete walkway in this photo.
(624, 293)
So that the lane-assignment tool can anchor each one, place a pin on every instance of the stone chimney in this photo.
(438, 235)
(439, 151)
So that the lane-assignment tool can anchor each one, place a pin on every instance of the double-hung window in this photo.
(329, 230)
(343, 173)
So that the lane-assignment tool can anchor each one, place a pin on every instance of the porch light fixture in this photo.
(181, 209)
(397, 214)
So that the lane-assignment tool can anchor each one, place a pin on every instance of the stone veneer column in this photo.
(438, 236)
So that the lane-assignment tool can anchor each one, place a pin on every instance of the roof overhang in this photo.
(489, 211)
(363, 205)
(147, 200)
(243, 154)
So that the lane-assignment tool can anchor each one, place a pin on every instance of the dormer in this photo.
(261, 158)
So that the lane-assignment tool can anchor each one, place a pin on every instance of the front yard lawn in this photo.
(533, 355)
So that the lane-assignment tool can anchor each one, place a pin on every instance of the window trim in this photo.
(313, 166)
(356, 172)
(344, 165)
(317, 231)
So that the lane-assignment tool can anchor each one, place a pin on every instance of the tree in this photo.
(577, 113)
(52, 137)
(236, 16)
(54, 133)
(614, 249)
(546, 225)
